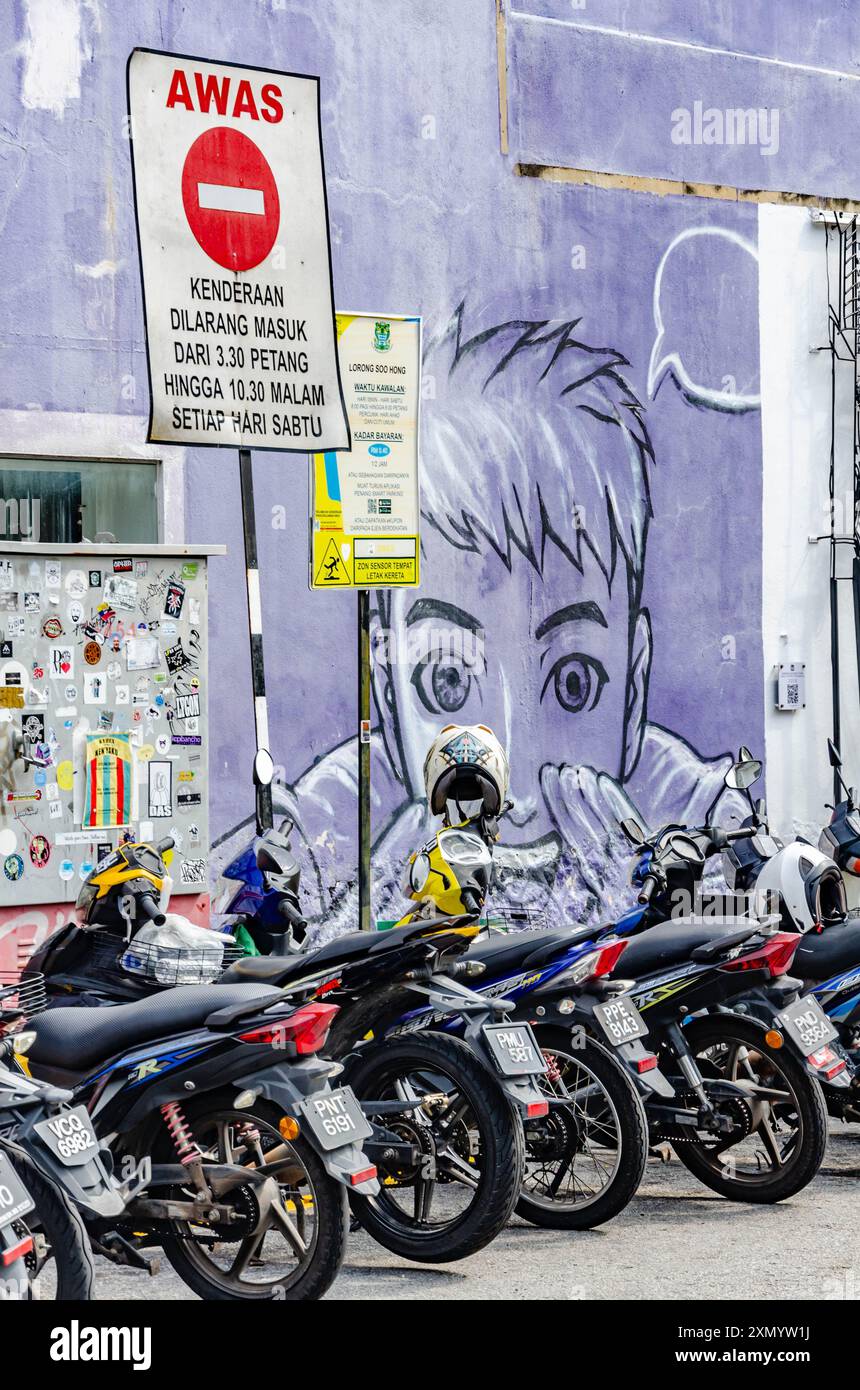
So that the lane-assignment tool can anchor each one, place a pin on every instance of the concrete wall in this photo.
(593, 357)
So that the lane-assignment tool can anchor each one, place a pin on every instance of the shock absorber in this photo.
(186, 1149)
(553, 1071)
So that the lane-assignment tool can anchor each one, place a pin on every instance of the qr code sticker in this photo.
(792, 693)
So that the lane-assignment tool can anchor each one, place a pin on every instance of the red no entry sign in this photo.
(229, 195)
(230, 198)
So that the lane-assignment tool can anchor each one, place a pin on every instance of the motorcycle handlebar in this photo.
(470, 901)
(650, 885)
(720, 838)
(164, 845)
(291, 913)
(149, 908)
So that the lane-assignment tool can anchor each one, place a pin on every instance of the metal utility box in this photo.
(103, 712)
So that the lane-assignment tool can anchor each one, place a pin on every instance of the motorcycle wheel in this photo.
(470, 1139)
(790, 1130)
(584, 1162)
(296, 1257)
(60, 1267)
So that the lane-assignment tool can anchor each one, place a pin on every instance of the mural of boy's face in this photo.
(544, 658)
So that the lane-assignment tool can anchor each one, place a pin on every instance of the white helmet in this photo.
(468, 766)
(810, 888)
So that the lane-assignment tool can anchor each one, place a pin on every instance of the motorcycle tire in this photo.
(328, 1202)
(627, 1115)
(62, 1227)
(811, 1110)
(500, 1137)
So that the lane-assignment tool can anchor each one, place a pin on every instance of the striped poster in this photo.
(109, 781)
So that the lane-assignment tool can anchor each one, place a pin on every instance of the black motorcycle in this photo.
(810, 899)
(448, 1136)
(748, 1118)
(243, 1207)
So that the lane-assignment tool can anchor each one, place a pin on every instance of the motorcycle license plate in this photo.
(15, 1200)
(621, 1021)
(807, 1024)
(515, 1049)
(69, 1136)
(335, 1118)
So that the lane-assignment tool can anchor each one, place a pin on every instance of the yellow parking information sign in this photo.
(364, 502)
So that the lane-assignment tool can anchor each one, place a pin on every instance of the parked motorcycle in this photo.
(586, 1157)
(749, 1118)
(243, 1208)
(806, 887)
(447, 1137)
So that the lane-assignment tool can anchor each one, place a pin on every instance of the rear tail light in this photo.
(599, 962)
(775, 956)
(363, 1175)
(326, 988)
(646, 1063)
(607, 957)
(17, 1252)
(826, 1061)
(536, 1109)
(306, 1030)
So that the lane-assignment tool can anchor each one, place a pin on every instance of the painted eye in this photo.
(578, 681)
(444, 683)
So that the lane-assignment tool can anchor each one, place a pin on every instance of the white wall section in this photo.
(796, 431)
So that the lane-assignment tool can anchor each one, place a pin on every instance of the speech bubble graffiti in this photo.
(703, 276)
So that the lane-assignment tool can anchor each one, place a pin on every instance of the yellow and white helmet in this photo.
(466, 765)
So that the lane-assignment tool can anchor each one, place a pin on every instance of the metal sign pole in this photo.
(265, 819)
(364, 921)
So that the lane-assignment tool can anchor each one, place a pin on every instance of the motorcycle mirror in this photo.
(634, 832)
(833, 754)
(419, 871)
(744, 772)
(264, 768)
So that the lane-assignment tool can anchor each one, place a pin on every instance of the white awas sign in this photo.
(234, 247)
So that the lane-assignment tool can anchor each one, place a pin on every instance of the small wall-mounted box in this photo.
(791, 686)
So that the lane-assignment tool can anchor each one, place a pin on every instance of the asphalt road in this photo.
(675, 1240)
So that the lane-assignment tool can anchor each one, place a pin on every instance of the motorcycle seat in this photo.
(830, 952)
(77, 1038)
(525, 950)
(301, 963)
(673, 943)
(342, 950)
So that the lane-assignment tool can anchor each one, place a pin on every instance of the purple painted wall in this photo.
(632, 373)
